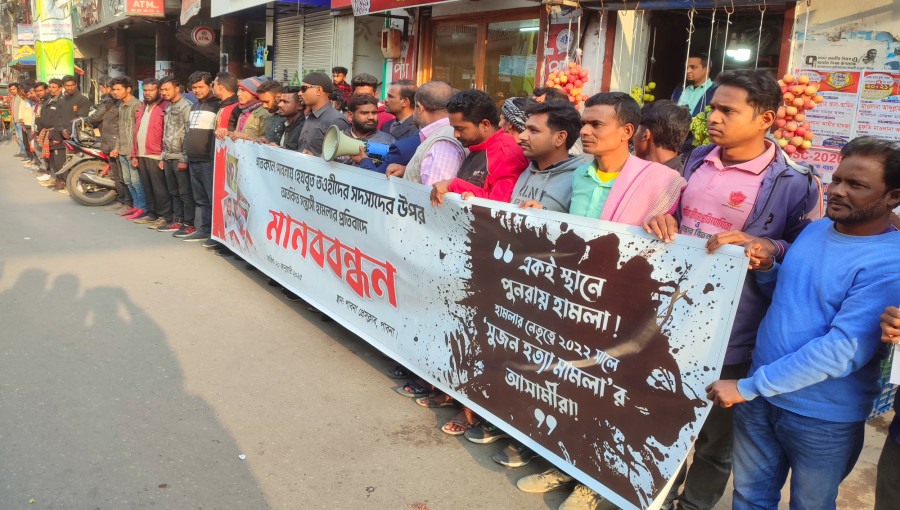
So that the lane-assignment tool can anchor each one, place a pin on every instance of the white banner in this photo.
(586, 340)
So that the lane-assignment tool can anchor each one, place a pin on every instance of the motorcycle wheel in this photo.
(86, 193)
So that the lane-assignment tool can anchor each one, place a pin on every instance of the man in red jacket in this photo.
(146, 153)
(495, 159)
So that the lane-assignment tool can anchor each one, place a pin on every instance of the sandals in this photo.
(432, 402)
(413, 389)
(457, 426)
(398, 372)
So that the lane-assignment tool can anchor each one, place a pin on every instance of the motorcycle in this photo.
(86, 172)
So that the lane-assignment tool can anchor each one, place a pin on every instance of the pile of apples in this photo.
(571, 80)
(793, 133)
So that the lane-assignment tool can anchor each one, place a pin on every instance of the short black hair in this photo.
(550, 94)
(104, 81)
(200, 76)
(357, 100)
(364, 80)
(291, 90)
(475, 106)
(561, 116)
(433, 96)
(407, 90)
(704, 58)
(67, 78)
(169, 79)
(339, 69)
(124, 81)
(886, 151)
(668, 122)
(150, 82)
(627, 109)
(227, 80)
(763, 92)
(269, 86)
(56, 81)
(41, 84)
(14, 84)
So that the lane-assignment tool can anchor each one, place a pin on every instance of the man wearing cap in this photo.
(315, 89)
(248, 118)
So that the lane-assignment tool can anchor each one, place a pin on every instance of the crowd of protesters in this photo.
(803, 361)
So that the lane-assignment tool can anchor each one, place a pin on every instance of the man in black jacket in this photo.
(199, 151)
(76, 104)
(53, 116)
(106, 117)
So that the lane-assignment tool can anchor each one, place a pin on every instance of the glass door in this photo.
(511, 58)
(454, 56)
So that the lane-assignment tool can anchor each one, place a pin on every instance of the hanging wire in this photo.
(712, 34)
(690, 37)
(578, 52)
(648, 72)
(805, 36)
(634, 45)
(762, 16)
(727, 26)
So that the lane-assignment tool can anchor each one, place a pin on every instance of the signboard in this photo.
(589, 341)
(53, 47)
(147, 8)
(24, 34)
(363, 7)
(189, 9)
(203, 36)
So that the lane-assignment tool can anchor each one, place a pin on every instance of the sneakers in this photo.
(581, 498)
(195, 237)
(515, 455)
(184, 231)
(49, 182)
(211, 244)
(147, 220)
(485, 433)
(171, 227)
(44, 178)
(128, 211)
(159, 223)
(136, 214)
(117, 207)
(549, 480)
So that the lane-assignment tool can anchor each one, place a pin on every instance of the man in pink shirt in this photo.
(440, 154)
(741, 190)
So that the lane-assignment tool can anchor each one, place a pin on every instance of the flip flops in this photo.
(412, 389)
(457, 427)
(432, 402)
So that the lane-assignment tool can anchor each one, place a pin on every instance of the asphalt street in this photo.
(139, 371)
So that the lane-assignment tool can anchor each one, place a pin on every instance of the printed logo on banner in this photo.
(588, 341)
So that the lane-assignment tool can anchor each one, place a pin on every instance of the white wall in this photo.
(630, 51)
(367, 57)
(594, 47)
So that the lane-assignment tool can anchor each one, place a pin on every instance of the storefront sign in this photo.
(589, 341)
(203, 36)
(559, 42)
(870, 50)
(189, 8)
(149, 8)
(54, 48)
(363, 7)
(24, 34)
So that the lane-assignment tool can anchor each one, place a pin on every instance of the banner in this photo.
(586, 340)
(148, 8)
(189, 8)
(24, 34)
(53, 47)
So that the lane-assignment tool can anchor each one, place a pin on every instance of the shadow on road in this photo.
(93, 410)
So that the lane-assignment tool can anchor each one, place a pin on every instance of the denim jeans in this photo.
(20, 138)
(132, 179)
(123, 196)
(770, 441)
(202, 185)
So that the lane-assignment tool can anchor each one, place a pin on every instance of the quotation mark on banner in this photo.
(551, 421)
(499, 253)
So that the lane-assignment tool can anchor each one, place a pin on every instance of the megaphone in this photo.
(336, 144)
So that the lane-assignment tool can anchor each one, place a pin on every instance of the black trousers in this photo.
(57, 159)
(180, 192)
(159, 203)
(115, 173)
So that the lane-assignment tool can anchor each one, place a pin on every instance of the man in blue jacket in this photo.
(741, 188)
(817, 361)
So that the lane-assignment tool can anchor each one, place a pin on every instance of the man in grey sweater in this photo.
(551, 129)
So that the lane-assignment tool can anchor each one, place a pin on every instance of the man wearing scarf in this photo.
(248, 117)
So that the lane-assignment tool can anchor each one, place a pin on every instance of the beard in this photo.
(364, 128)
(851, 214)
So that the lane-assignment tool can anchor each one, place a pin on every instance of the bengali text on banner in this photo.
(586, 340)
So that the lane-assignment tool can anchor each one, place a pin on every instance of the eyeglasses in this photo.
(304, 88)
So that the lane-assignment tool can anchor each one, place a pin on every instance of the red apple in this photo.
(800, 131)
(780, 123)
(791, 126)
(808, 105)
(788, 78)
(788, 134)
(788, 98)
(789, 149)
(797, 90)
(809, 135)
(799, 102)
(803, 79)
(800, 117)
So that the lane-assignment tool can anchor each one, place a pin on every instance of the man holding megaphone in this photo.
(363, 111)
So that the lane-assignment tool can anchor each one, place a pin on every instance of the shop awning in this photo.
(27, 60)
(629, 5)
(363, 7)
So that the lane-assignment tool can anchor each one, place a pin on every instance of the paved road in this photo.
(135, 369)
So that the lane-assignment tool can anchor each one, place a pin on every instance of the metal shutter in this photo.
(318, 31)
(288, 38)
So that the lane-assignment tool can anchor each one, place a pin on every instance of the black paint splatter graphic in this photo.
(616, 440)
